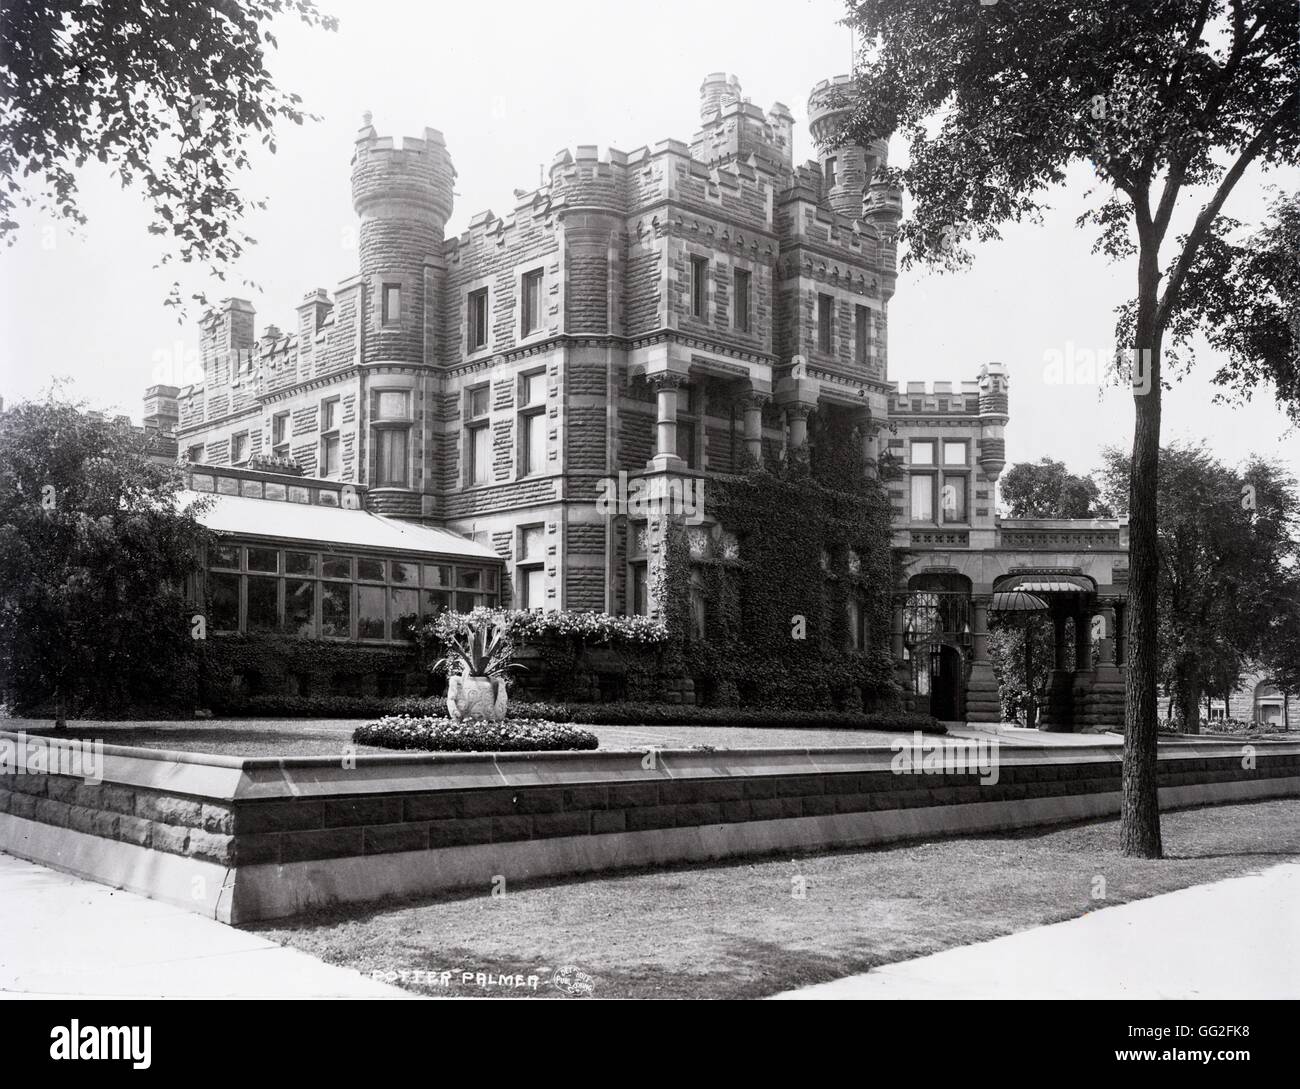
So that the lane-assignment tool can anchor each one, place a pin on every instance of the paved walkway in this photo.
(1238, 938)
(61, 936)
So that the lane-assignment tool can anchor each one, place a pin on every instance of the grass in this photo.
(734, 929)
(329, 737)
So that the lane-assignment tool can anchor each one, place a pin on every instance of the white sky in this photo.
(510, 85)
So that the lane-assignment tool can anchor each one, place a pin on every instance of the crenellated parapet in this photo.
(418, 174)
(735, 130)
(848, 169)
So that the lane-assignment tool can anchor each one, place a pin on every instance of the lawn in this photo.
(735, 929)
(329, 737)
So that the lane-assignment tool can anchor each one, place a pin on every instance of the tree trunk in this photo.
(1189, 700)
(1140, 802)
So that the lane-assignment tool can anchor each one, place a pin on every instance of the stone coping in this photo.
(229, 778)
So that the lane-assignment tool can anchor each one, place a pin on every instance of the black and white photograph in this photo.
(711, 500)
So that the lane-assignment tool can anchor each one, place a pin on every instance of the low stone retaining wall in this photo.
(244, 839)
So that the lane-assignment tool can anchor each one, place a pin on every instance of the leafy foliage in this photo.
(170, 94)
(477, 646)
(776, 622)
(1229, 591)
(1169, 102)
(1049, 490)
(95, 554)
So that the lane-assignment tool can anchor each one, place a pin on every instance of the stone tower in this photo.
(404, 198)
(993, 419)
(848, 169)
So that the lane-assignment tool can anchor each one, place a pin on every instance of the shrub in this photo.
(432, 734)
(667, 714)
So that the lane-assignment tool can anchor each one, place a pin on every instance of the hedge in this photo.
(432, 734)
(667, 714)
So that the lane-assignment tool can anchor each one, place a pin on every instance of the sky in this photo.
(509, 91)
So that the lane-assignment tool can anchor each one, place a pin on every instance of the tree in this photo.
(1049, 490)
(1228, 547)
(170, 94)
(1170, 102)
(95, 555)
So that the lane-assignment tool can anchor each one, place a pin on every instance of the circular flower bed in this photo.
(443, 735)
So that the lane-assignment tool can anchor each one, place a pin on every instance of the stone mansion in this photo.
(677, 311)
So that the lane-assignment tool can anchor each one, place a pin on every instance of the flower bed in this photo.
(440, 734)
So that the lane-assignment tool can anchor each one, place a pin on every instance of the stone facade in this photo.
(670, 313)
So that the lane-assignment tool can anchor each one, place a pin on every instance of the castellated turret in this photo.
(993, 382)
(404, 198)
(848, 170)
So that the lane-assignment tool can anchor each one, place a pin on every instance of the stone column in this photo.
(796, 414)
(1107, 647)
(867, 437)
(666, 384)
(983, 700)
(753, 405)
(1058, 632)
(1083, 640)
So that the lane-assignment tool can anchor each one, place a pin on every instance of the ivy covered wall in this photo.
(758, 606)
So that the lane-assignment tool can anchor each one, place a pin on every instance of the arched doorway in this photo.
(936, 630)
(1269, 706)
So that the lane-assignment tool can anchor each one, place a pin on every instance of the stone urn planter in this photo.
(470, 697)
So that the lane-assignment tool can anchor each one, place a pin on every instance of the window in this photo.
(922, 497)
(239, 448)
(832, 165)
(392, 304)
(741, 289)
(531, 316)
(330, 445)
(638, 596)
(697, 604)
(391, 411)
(300, 607)
(825, 315)
(194, 454)
(223, 601)
(923, 452)
(854, 617)
(280, 434)
(954, 497)
(862, 333)
(532, 424)
(478, 445)
(699, 287)
(263, 604)
(476, 320)
(687, 428)
(530, 574)
(370, 612)
(954, 453)
(391, 455)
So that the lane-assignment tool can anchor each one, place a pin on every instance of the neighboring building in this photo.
(1256, 700)
(670, 313)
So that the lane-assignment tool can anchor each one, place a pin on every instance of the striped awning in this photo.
(1049, 584)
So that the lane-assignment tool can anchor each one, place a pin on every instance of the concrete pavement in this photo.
(1238, 938)
(62, 937)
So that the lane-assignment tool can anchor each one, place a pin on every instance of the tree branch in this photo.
(1207, 215)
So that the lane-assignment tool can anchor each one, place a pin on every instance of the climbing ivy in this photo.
(776, 625)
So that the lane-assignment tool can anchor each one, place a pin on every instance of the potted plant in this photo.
(479, 653)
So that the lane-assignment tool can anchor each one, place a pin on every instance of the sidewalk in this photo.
(61, 936)
(1238, 938)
